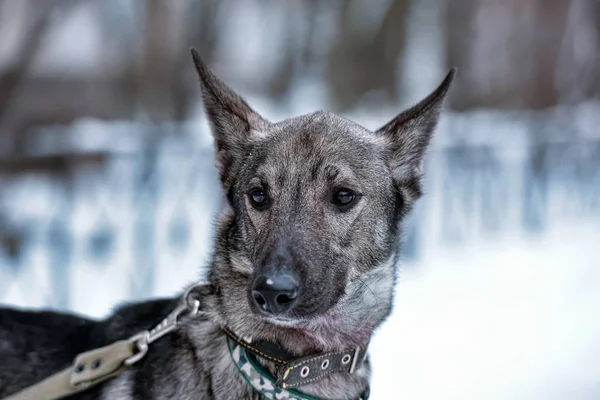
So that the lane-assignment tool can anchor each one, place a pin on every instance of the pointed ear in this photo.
(409, 133)
(234, 124)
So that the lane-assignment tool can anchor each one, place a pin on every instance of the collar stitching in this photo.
(327, 355)
(295, 385)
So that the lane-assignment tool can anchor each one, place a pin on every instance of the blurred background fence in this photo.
(107, 190)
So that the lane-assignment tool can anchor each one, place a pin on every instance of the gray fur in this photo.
(345, 258)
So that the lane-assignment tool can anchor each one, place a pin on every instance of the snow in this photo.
(512, 318)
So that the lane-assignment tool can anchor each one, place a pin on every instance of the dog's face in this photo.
(314, 208)
(317, 209)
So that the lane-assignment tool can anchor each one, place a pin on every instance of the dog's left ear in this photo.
(409, 133)
(234, 124)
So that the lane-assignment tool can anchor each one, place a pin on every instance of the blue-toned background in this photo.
(108, 191)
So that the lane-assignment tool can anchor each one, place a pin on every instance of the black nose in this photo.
(275, 294)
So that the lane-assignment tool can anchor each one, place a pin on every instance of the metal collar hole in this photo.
(304, 372)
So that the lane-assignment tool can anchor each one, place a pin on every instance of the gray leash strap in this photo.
(98, 365)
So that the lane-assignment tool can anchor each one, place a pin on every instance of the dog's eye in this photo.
(343, 197)
(258, 198)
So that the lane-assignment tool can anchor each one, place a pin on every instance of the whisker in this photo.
(369, 289)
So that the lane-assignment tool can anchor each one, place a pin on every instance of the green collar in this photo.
(293, 373)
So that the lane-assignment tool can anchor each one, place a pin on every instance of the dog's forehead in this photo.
(317, 143)
(322, 123)
(323, 132)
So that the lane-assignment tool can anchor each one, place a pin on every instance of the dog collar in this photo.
(291, 372)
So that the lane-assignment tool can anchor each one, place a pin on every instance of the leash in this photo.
(99, 365)
(96, 366)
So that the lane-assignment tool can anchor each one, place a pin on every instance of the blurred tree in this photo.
(156, 65)
(162, 86)
(515, 53)
(200, 28)
(359, 62)
(298, 46)
(39, 19)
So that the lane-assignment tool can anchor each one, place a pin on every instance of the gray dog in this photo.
(303, 270)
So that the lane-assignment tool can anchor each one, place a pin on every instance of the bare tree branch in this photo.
(11, 79)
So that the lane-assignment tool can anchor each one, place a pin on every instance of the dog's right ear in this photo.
(234, 124)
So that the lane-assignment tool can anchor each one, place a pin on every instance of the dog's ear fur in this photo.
(234, 124)
(409, 133)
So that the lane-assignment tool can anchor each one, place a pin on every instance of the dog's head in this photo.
(314, 208)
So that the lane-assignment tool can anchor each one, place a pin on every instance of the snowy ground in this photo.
(517, 318)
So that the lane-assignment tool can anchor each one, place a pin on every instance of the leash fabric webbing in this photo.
(89, 369)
